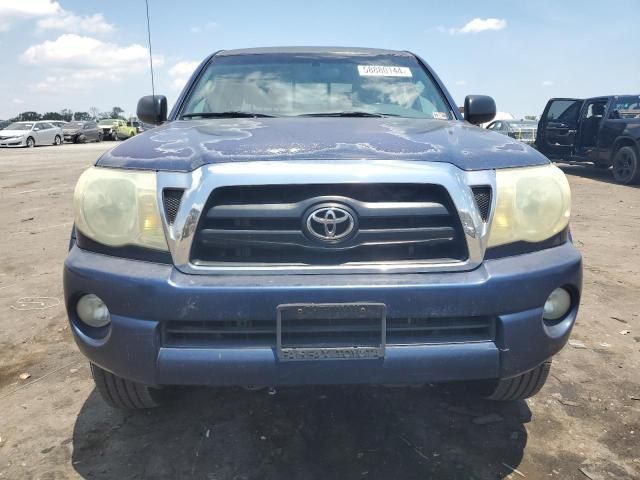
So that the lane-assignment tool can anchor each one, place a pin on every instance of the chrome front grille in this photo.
(268, 224)
(193, 252)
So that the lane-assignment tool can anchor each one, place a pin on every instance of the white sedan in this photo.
(30, 134)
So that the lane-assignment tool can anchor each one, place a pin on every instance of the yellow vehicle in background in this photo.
(116, 129)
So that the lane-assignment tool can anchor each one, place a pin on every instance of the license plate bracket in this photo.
(370, 318)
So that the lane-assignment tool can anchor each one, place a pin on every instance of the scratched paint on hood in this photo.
(189, 144)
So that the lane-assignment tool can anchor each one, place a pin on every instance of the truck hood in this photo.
(189, 144)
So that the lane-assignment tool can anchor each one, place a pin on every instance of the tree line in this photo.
(68, 115)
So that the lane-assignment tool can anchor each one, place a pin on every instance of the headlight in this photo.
(118, 208)
(532, 205)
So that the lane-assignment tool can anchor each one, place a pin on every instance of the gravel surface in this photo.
(585, 423)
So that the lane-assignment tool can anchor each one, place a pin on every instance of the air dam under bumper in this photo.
(142, 295)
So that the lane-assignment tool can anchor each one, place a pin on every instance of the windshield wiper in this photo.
(348, 114)
(230, 114)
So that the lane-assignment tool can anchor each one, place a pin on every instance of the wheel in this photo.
(626, 166)
(99, 138)
(521, 387)
(82, 139)
(122, 393)
(114, 136)
(31, 142)
(57, 141)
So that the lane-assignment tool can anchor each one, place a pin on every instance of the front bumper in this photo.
(12, 142)
(142, 295)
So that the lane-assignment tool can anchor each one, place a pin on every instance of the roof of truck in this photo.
(314, 51)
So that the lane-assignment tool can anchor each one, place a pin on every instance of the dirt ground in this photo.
(584, 424)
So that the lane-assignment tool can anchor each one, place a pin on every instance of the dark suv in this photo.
(320, 216)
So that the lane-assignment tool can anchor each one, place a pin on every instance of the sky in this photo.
(79, 54)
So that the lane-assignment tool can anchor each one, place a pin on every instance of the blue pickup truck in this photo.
(320, 216)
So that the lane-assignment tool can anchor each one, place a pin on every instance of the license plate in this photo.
(321, 331)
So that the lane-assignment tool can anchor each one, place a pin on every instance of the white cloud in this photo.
(70, 22)
(27, 9)
(75, 61)
(50, 15)
(72, 51)
(18, 101)
(204, 28)
(547, 83)
(15, 10)
(477, 25)
(461, 82)
(181, 72)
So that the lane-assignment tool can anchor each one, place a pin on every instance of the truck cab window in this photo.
(625, 107)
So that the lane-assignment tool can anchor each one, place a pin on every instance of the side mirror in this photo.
(479, 109)
(152, 109)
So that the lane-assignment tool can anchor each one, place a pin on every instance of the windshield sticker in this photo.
(440, 116)
(383, 71)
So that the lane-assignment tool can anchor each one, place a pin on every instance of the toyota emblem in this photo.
(330, 223)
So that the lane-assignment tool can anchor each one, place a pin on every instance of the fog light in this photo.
(557, 305)
(92, 311)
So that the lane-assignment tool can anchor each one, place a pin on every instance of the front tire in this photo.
(521, 387)
(626, 166)
(31, 142)
(124, 394)
(57, 141)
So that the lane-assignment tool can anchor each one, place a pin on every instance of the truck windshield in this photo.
(319, 85)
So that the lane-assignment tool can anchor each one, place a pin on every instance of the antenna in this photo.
(153, 88)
